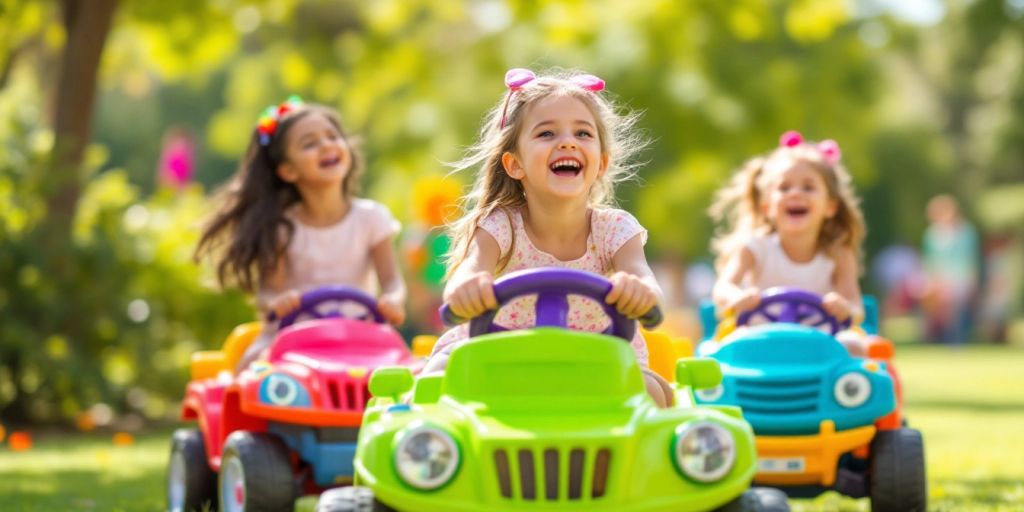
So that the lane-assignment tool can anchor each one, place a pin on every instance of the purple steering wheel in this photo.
(553, 287)
(797, 306)
(311, 299)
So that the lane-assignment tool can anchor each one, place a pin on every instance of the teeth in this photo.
(566, 163)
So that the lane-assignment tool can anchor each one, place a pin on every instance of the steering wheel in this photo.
(797, 307)
(311, 299)
(553, 287)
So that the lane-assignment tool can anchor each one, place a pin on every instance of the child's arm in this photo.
(392, 297)
(470, 291)
(728, 292)
(634, 289)
(845, 301)
(273, 296)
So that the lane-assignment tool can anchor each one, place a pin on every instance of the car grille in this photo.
(347, 394)
(551, 474)
(778, 396)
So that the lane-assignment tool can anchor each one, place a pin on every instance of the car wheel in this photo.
(350, 499)
(191, 484)
(758, 499)
(255, 474)
(897, 477)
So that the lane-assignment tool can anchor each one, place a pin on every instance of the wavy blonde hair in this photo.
(495, 190)
(738, 212)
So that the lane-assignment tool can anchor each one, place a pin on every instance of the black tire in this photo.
(758, 499)
(266, 478)
(897, 477)
(191, 484)
(350, 499)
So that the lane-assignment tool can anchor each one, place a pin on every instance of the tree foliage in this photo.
(917, 110)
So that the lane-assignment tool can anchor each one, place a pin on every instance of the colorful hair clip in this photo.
(830, 150)
(790, 139)
(588, 82)
(266, 126)
(517, 78)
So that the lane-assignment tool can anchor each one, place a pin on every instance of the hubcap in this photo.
(232, 488)
(176, 483)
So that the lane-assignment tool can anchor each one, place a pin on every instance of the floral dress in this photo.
(610, 229)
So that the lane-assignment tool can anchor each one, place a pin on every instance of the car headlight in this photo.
(426, 457)
(710, 394)
(703, 451)
(280, 389)
(852, 389)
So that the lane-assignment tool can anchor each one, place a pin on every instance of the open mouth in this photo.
(330, 162)
(566, 167)
(797, 211)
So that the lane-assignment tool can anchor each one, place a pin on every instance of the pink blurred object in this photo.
(177, 161)
(830, 149)
(790, 139)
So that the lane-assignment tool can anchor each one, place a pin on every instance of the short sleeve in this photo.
(499, 225)
(756, 246)
(614, 228)
(382, 223)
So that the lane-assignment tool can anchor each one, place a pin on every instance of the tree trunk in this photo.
(87, 23)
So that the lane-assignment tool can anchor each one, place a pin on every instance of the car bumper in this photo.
(807, 460)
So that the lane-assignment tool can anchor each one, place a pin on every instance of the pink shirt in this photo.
(340, 254)
(610, 229)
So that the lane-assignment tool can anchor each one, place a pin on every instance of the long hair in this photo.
(737, 208)
(494, 190)
(248, 235)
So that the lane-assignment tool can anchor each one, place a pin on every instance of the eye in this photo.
(583, 133)
(546, 133)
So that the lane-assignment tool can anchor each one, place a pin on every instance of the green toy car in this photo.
(549, 419)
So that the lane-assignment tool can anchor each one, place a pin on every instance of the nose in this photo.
(567, 143)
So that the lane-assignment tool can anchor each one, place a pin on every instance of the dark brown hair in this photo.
(248, 234)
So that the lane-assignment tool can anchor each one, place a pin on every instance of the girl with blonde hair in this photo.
(547, 162)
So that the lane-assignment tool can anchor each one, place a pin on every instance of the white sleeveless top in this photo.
(772, 267)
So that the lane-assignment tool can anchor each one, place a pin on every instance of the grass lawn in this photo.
(969, 404)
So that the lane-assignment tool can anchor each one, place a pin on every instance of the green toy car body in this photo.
(549, 418)
(518, 422)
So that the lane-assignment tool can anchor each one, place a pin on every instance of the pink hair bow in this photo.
(517, 78)
(829, 148)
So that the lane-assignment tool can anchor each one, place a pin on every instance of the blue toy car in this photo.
(824, 420)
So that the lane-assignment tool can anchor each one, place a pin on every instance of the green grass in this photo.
(969, 404)
(85, 473)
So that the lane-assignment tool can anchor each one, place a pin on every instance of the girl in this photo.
(791, 219)
(290, 220)
(548, 159)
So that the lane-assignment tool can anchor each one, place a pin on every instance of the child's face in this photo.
(559, 154)
(797, 200)
(316, 154)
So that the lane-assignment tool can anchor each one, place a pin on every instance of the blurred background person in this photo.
(950, 253)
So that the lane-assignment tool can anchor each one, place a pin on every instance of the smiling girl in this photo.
(547, 163)
(791, 219)
(290, 221)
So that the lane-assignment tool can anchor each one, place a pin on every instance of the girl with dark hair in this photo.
(290, 220)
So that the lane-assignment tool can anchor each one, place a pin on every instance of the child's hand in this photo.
(285, 303)
(746, 300)
(472, 296)
(631, 295)
(392, 309)
(837, 306)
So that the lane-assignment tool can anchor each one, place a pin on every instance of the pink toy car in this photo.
(285, 426)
